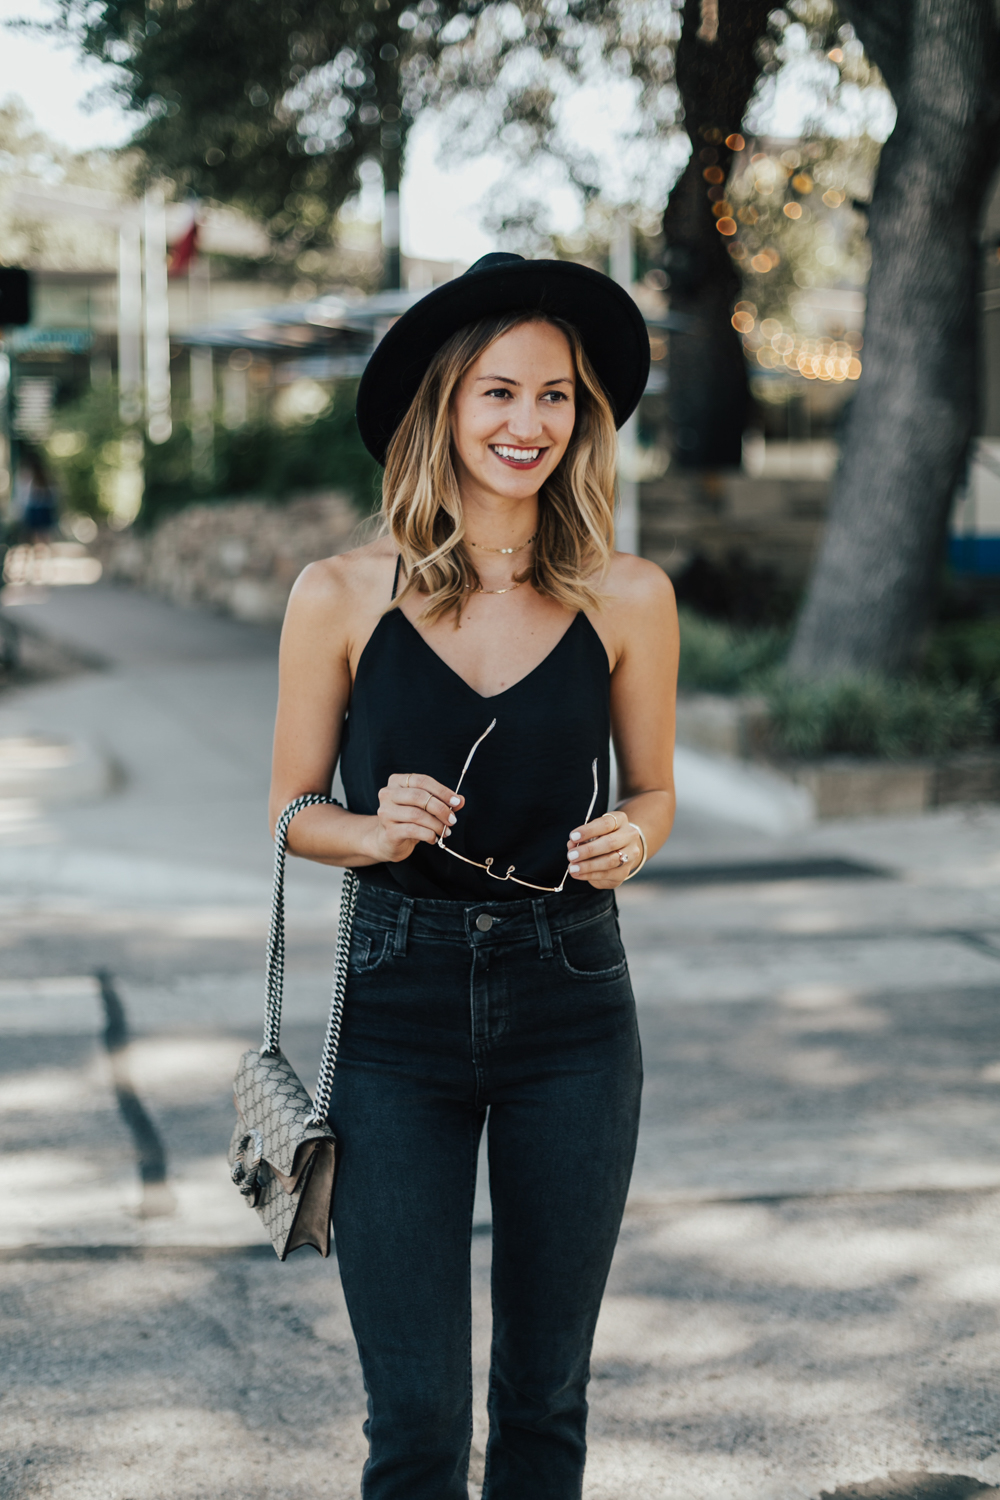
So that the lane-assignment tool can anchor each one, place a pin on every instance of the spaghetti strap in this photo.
(395, 576)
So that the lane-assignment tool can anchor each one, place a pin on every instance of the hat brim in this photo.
(610, 325)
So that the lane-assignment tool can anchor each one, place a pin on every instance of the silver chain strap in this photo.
(276, 958)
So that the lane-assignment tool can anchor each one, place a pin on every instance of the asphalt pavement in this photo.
(805, 1298)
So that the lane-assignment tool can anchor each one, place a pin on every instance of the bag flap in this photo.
(271, 1098)
(312, 1222)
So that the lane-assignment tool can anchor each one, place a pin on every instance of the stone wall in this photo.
(240, 557)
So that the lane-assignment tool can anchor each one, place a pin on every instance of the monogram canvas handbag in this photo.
(283, 1153)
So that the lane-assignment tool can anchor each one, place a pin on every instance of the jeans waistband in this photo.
(479, 924)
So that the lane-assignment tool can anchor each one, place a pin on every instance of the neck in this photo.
(499, 522)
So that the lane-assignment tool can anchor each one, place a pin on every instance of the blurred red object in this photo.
(183, 251)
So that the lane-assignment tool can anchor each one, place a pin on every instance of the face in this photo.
(513, 412)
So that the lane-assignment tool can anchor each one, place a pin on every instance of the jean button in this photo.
(484, 921)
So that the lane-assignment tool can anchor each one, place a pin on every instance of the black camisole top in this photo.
(531, 779)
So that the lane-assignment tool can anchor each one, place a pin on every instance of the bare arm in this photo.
(329, 605)
(642, 633)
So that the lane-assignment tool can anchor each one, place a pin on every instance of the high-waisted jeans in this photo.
(524, 1009)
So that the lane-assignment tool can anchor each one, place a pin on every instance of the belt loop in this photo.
(402, 927)
(542, 928)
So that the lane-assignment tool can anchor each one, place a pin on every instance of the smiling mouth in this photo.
(520, 458)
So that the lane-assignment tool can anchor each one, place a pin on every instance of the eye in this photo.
(555, 397)
(500, 391)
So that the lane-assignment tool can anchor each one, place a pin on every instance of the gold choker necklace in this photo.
(506, 551)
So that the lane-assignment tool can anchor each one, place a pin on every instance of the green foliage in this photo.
(720, 658)
(966, 652)
(268, 460)
(872, 717)
(90, 451)
(268, 106)
(84, 452)
(953, 707)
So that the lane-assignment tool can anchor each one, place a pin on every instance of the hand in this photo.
(412, 810)
(594, 851)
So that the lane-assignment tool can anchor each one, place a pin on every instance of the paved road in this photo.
(807, 1289)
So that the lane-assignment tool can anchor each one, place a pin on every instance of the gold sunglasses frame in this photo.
(487, 865)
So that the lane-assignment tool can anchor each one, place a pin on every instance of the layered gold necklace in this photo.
(500, 551)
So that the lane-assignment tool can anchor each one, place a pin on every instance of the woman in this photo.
(486, 647)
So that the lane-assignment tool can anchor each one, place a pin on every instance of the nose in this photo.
(524, 422)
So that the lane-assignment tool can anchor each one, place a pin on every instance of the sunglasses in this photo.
(487, 864)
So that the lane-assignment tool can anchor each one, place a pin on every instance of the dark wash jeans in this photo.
(534, 1019)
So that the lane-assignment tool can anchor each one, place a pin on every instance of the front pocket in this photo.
(593, 950)
(368, 951)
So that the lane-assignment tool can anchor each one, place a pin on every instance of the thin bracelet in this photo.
(645, 852)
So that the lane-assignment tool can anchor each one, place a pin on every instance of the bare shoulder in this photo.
(337, 601)
(361, 577)
(637, 608)
(634, 584)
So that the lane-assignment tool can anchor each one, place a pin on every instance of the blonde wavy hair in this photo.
(422, 507)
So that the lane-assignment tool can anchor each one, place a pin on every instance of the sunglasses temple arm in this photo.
(593, 766)
(590, 809)
(468, 758)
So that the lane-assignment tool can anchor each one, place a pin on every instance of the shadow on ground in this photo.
(913, 1487)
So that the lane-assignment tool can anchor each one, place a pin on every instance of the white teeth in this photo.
(519, 455)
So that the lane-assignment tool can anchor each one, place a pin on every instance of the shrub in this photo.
(269, 460)
(262, 459)
(872, 717)
(720, 658)
(952, 708)
(84, 451)
(965, 651)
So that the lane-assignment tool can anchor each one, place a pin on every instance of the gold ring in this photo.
(406, 783)
(430, 798)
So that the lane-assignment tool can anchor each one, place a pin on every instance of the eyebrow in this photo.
(562, 380)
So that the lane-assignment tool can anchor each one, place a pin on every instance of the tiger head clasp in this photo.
(249, 1153)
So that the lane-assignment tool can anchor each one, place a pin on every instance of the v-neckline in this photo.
(492, 697)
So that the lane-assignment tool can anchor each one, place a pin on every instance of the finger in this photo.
(602, 880)
(394, 815)
(590, 850)
(416, 781)
(415, 832)
(432, 815)
(418, 804)
(596, 863)
(427, 802)
(609, 844)
(607, 824)
(600, 867)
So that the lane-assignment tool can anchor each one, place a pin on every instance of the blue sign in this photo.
(67, 340)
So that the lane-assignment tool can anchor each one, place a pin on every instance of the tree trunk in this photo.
(716, 75)
(914, 410)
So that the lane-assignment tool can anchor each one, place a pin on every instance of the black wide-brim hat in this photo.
(610, 326)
